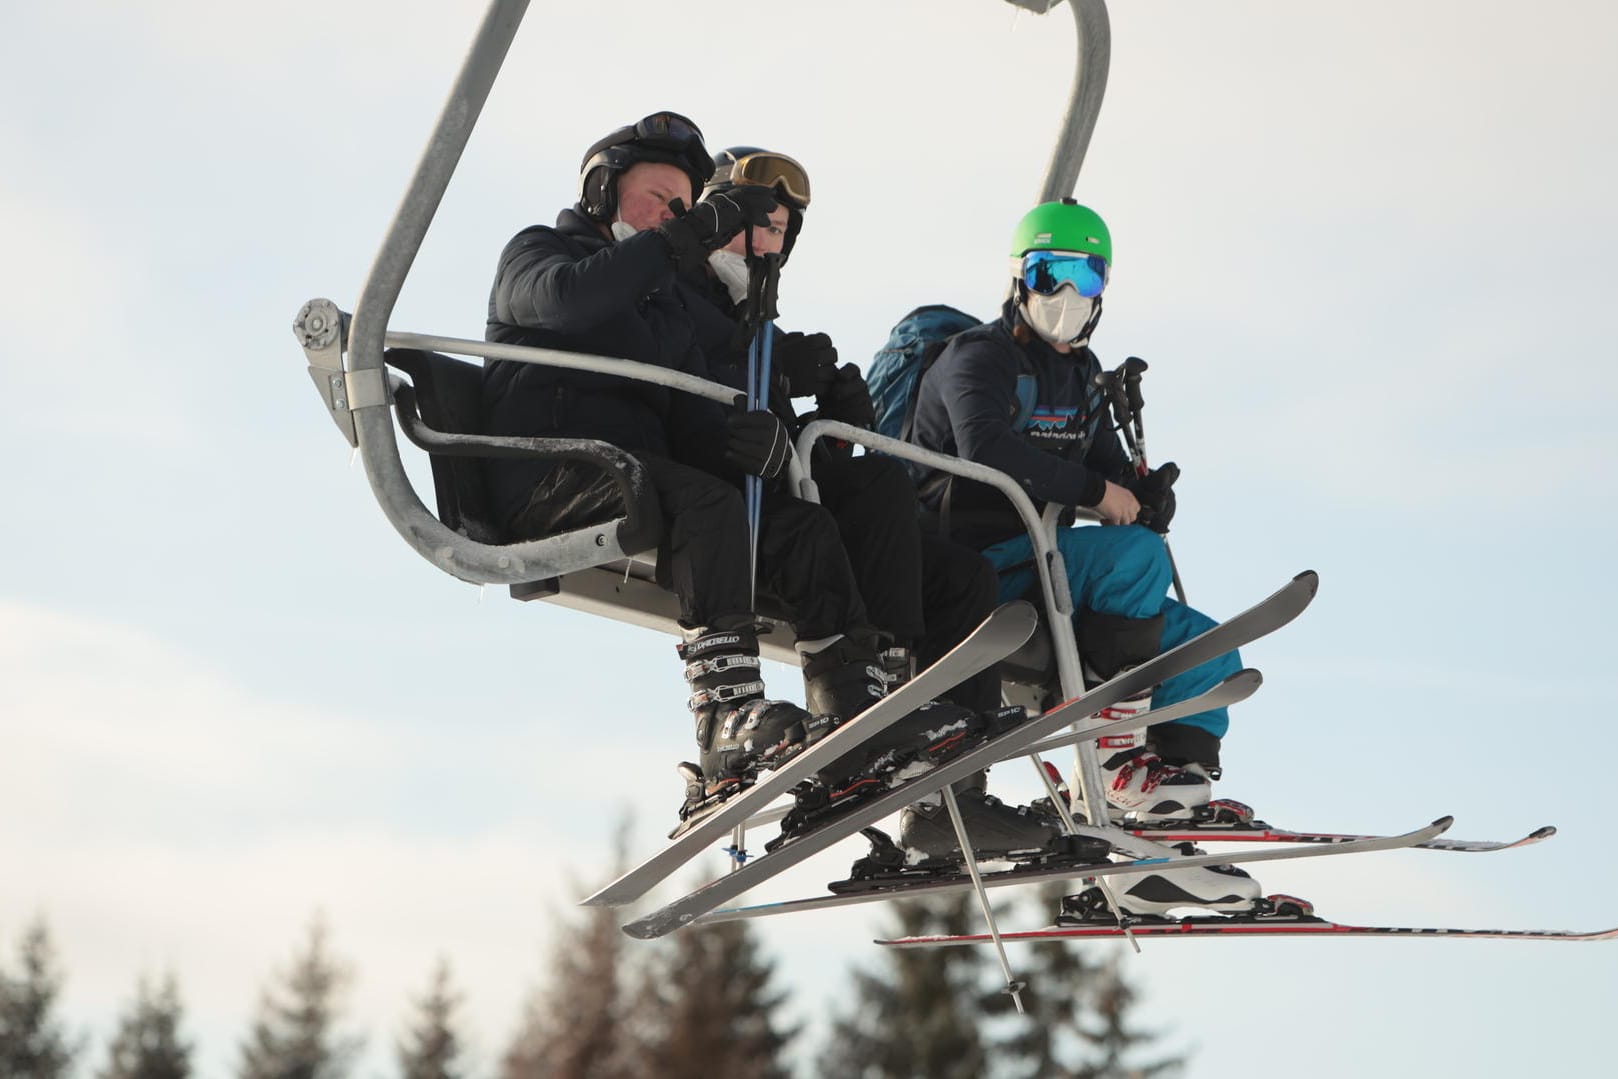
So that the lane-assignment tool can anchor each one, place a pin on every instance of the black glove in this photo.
(808, 360)
(710, 224)
(847, 398)
(759, 444)
(1155, 493)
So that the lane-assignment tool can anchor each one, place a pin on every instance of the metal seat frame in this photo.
(603, 569)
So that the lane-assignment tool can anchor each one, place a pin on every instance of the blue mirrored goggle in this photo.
(1046, 271)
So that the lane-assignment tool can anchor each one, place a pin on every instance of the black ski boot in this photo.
(847, 677)
(996, 831)
(738, 731)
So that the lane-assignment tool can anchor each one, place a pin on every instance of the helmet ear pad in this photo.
(598, 194)
(598, 181)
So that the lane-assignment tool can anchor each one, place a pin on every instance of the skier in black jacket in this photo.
(605, 280)
(1019, 395)
(925, 592)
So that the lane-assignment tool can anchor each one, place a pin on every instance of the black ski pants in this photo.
(925, 591)
(857, 561)
(703, 558)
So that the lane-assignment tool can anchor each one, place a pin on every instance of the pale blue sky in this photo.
(1366, 248)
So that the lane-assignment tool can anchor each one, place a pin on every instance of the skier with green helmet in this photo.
(1020, 395)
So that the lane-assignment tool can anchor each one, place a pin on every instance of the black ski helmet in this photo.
(766, 168)
(664, 137)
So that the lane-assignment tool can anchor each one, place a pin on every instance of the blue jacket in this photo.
(571, 288)
(1055, 439)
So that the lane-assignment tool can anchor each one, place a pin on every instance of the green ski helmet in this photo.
(1061, 257)
(1062, 226)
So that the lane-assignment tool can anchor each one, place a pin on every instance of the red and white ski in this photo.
(1231, 926)
(1260, 832)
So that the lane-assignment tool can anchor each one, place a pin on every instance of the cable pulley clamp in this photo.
(366, 389)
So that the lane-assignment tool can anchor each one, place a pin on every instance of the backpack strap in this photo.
(929, 356)
(1027, 398)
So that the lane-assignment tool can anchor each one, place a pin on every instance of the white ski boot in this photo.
(1225, 889)
(1137, 780)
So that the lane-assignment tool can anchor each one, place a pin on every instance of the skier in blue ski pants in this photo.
(1025, 395)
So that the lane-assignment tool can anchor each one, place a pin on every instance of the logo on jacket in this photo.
(1050, 420)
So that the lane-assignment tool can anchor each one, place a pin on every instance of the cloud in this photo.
(161, 817)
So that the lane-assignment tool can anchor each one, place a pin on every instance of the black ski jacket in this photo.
(1056, 441)
(570, 288)
(719, 335)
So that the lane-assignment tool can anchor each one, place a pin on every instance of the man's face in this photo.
(766, 240)
(645, 190)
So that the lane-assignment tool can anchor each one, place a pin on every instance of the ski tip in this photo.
(1542, 833)
(1021, 608)
(1443, 823)
(1310, 578)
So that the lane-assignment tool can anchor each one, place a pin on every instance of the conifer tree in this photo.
(1060, 996)
(575, 1026)
(919, 1014)
(944, 1012)
(295, 1036)
(431, 1049)
(33, 1044)
(710, 1010)
(1112, 1033)
(148, 1043)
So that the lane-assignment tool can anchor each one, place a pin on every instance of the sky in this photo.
(1365, 248)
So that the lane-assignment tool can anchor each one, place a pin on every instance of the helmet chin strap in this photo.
(1090, 325)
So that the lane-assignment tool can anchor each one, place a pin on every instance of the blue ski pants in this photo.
(1124, 571)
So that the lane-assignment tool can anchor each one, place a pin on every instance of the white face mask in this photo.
(623, 230)
(1059, 318)
(731, 269)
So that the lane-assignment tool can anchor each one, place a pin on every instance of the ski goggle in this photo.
(669, 127)
(1046, 271)
(767, 169)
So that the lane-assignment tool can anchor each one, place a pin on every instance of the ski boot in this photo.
(1139, 783)
(1225, 889)
(845, 678)
(995, 830)
(738, 730)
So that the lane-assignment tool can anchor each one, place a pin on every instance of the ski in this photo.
(1260, 832)
(1233, 690)
(1002, 633)
(1235, 926)
(1265, 617)
(1035, 874)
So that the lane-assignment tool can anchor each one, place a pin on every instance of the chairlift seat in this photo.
(440, 412)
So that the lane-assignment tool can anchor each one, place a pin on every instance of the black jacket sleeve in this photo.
(540, 282)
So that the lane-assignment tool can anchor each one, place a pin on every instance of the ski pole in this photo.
(1122, 388)
(753, 486)
(763, 280)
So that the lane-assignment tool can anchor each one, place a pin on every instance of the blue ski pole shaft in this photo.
(754, 486)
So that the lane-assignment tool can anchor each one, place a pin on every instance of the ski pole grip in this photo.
(1131, 370)
(765, 277)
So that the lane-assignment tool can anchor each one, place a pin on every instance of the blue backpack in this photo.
(895, 373)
